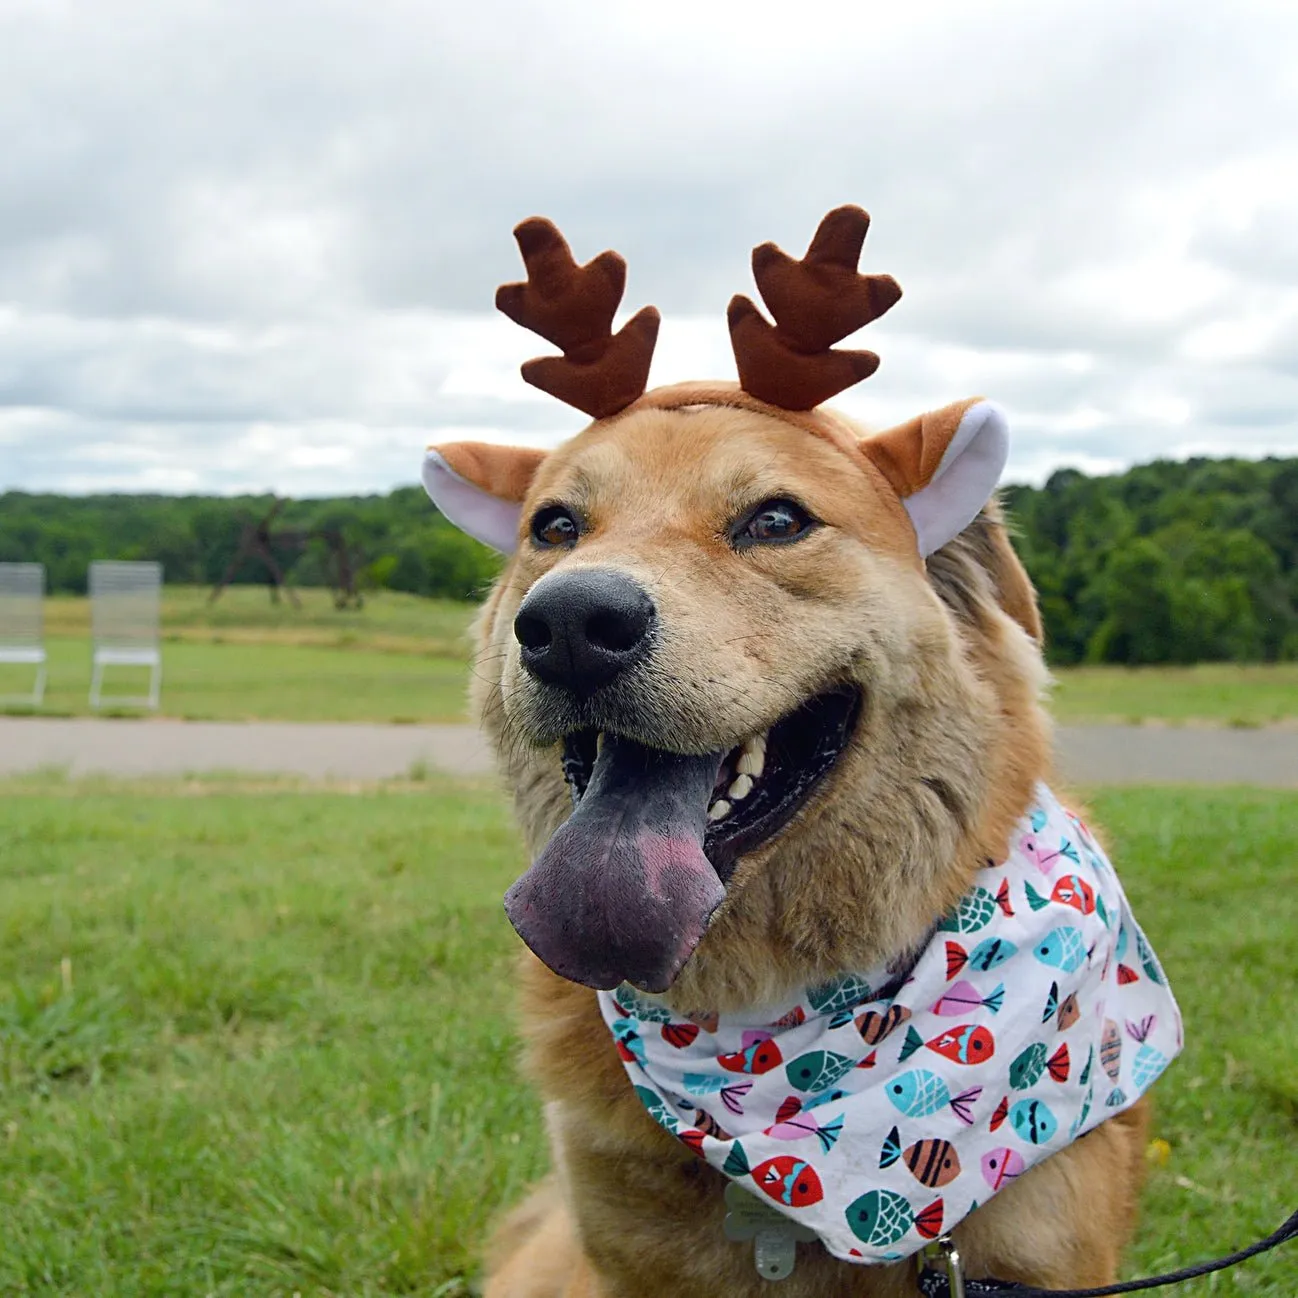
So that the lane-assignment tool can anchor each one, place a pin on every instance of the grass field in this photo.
(256, 1039)
(399, 659)
(402, 658)
(1226, 694)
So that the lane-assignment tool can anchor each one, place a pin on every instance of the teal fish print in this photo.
(918, 1093)
(1148, 1063)
(731, 1091)
(1027, 1068)
(1082, 1115)
(818, 1070)
(1147, 961)
(626, 1035)
(657, 1109)
(880, 1217)
(1032, 1121)
(839, 994)
(986, 955)
(1062, 948)
(975, 910)
(634, 1005)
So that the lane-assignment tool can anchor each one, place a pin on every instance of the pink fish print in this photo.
(1001, 1166)
(964, 996)
(792, 1122)
(1045, 857)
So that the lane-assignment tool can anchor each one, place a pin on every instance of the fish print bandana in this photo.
(882, 1108)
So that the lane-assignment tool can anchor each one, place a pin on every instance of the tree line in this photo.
(1169, 562)
(403, 543)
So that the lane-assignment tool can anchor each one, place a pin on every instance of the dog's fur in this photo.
(950, 742)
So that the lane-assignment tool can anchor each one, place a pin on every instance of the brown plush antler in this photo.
(816, 302)
(572, 306)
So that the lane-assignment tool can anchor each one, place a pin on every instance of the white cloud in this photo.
(256, 246)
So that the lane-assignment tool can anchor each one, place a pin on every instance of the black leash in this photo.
(934, 1284)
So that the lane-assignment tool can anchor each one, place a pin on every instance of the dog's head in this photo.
(726, 630)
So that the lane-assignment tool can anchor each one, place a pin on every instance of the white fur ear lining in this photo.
(964, 480)
(484, 517)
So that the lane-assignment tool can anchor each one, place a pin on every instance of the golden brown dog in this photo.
(742, 571)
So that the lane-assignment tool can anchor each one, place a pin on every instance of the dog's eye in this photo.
(553, 526)
(774, 521)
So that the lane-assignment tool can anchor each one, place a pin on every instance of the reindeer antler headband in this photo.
(793, 364)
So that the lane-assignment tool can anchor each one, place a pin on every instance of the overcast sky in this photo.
(255, 246)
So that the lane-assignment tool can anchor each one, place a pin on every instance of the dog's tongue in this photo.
(623, 892)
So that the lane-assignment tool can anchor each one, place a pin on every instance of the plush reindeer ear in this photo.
(944, 465)
(480, 488)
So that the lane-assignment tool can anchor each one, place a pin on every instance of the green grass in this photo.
(399, 659)
(403, 658)
(1223, 694)
(266, 682)
(256, 1039)
(389, 619)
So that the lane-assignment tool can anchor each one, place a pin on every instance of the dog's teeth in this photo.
(718, 809)
(752, 757)
(742, 787)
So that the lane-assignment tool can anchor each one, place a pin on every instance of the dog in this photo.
(767, 690)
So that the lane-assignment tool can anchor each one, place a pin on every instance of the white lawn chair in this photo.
(125, 610)
(22, 641)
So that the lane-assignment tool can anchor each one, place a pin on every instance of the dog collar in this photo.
(880, 1109)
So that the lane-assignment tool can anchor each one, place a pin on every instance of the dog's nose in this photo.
(580, 630)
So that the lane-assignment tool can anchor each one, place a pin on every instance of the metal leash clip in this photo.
(943, 1255)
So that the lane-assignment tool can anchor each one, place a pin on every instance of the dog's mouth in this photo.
(626, 887)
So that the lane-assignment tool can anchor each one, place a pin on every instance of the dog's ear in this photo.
(480, 488)
(944, 465)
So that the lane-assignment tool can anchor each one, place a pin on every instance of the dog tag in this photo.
(774, 1236)
(775, 1253)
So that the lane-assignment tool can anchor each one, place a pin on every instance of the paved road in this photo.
(1087, 754)
(86, 746)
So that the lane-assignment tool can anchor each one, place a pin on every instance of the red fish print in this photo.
(759, 1055)
(1126, 974)
(969, 1043)
(1074, 891)
(1003, 899)
(1002, 1112)
(928, 1222)
(794, 1018)
(790, 1181)
(1057, 1065)
(680, 1035)
(874, 1027)
(693, 1139)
